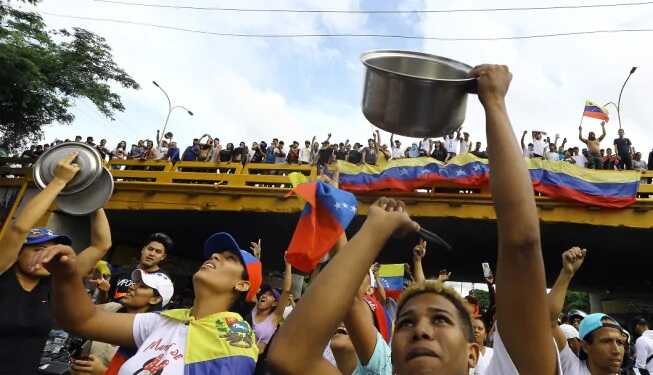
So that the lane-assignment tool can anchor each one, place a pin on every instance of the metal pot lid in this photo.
(89, 160)
(417, 65)
(90, 199)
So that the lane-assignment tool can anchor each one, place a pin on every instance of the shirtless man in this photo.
(594, 146)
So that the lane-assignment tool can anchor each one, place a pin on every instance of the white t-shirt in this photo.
(397, 153)
(499, 364)
(580, 160)
(538, 147)
(451, 145)
(305, 155)
(552, 155)
(162, 350)
(644, 350)
(483, 362)
(571, 364)
(465, 146)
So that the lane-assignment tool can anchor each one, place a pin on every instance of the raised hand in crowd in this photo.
(255, 247)
(419, 252)
(521, 286)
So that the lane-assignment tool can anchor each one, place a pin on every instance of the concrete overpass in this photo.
(190, 200)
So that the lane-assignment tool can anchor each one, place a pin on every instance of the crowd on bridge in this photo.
(622, 155)
(131, 319)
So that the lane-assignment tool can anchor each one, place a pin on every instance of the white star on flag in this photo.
(403, 171)
(476, 167)
(460, 172)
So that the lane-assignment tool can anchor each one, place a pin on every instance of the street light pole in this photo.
(170, 109)
(632, 70)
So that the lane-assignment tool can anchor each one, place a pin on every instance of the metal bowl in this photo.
(415, 94)
(89, 160)
(90, 199)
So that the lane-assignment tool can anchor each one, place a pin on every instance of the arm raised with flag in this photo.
(299, 343)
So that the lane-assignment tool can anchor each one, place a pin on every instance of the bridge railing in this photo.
(231, 175)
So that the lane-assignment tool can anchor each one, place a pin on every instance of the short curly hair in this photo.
(437, 287)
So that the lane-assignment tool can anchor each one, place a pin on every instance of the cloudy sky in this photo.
(256, 89)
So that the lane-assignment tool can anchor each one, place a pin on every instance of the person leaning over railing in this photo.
(25, 289)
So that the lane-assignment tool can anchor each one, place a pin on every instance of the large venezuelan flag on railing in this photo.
(557, 179)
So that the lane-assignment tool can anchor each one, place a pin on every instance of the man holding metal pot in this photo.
(25, 318)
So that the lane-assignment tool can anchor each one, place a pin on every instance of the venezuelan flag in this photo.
(392, 279)
(561, 180)
(413, 173)
(557, 179)
(595, 111)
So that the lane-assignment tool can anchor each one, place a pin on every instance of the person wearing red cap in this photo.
(210, 337)
(26, 319)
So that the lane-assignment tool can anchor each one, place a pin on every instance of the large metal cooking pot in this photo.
(415, 94)
(90, 199)
(88, 159)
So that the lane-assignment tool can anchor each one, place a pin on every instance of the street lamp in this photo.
(170, 108)
(618, 105)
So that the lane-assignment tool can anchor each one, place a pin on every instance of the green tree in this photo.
(43, 71)
(483, 298)
(577, 301)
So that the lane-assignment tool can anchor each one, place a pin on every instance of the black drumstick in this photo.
(432, 237)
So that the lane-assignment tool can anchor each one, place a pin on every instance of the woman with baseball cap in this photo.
(210, 337)
(25, 318)
(269, 309)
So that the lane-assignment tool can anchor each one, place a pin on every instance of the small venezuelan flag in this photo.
(392, 278)
(327, 213)
(595, 111)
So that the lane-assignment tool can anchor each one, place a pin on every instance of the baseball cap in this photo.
(268, 288)
(569, 331)
(223, 241)
(41, 235)
(157, 281)
(592, 322)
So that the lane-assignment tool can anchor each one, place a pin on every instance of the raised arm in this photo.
(100, 243)
(572, 259)
(361, 329)
(328, 138)
(602, 131)
(299, 343)
(580, 135)
(285, 293)
(523, 145)
(377, 141)
(419, 251)
(521, 287)
(72, 306)
(14, 237)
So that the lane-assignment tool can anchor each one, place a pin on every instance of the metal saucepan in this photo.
(415, 94)
(88, 159)
(90, 199)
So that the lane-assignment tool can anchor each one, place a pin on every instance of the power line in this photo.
(378, 11)
(348, 35)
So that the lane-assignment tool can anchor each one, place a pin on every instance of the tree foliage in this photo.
(43, 71)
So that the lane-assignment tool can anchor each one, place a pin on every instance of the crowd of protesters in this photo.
(621, 156)
(344, 323)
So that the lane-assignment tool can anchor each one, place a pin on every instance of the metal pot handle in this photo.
(472, 86)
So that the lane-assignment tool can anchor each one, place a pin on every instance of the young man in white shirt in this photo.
(433, 332)
(465, 144)
(538, 145)
(603, 339)
(397, 152)
(643, 345)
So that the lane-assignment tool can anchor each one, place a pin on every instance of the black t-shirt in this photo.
(370, 155)
(355, 156)
(623, 146)
(439, 154)
(341, 154)
(258, 156)
(25, 321)
(324, 155)
(225, 155)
